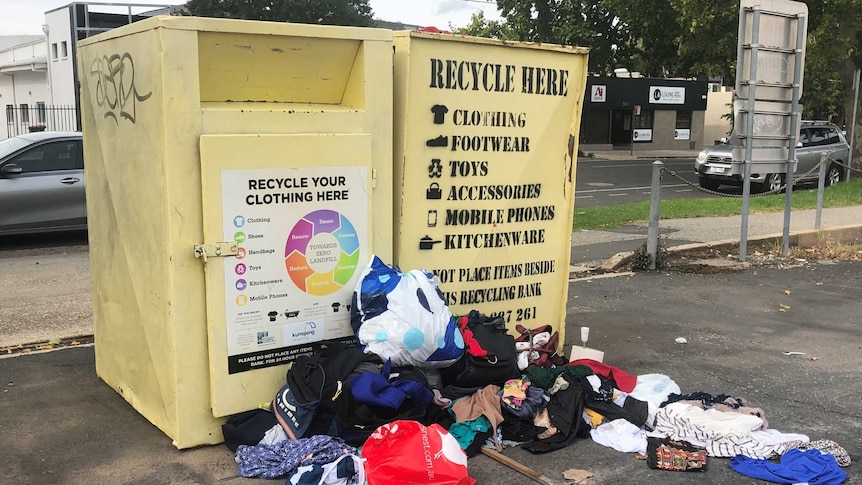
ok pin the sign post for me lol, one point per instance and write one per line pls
(770, 60)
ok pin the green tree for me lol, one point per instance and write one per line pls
(591, 24)
(835, 51)
(653, 29)
(329, 12)
(480, 26)
(706, 43)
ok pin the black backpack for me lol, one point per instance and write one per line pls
(490, 336)
(338, 413)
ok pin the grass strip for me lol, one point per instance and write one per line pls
(840, 195)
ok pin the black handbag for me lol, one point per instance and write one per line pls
(490, 356)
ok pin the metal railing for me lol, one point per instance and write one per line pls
(655, 195)
(28, 119)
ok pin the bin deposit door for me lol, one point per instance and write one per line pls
(296, 210)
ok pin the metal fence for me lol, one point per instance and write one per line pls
(27, 119)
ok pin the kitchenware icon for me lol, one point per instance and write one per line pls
(427, 243)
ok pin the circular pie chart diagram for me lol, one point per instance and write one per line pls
(322, 252)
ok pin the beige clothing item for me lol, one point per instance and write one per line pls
(483, 402)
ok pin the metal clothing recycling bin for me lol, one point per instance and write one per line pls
(485, 147)
(234, 169)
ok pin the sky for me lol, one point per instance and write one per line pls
(27, 16)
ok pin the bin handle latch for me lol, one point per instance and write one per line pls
(215, 250)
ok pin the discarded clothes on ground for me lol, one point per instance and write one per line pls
(422, 390)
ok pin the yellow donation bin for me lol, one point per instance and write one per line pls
(234, 169)
(485, 143)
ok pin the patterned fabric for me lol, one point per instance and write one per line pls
(347, 470)
(275, 461)
(515, 392)
(829, 447)
(675, 456)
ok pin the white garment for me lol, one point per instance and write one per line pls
(654, 389)
(621, 436)
(273, 435)
(775, 437)
(721, 422)
(721, 434)
(525, 357)
(620, 398)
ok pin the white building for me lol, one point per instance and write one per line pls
(39, 74)
(24, 93)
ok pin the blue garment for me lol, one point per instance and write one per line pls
(811, 466)
(274, 461)
(465, 432)
(376, 390)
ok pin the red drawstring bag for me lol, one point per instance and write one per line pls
(409, 453)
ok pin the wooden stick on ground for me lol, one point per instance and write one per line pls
(518, 467)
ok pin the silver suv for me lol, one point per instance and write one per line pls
(713, 165)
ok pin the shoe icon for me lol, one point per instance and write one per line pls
(440, 141)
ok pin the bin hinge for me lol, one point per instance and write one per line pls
(215, 250)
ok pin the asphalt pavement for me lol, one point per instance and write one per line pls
(61, 424)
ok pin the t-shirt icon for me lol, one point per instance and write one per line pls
(439, 113)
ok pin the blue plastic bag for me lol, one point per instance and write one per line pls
(403, 317)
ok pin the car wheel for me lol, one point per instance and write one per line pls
(833, 175)
(709, 184)
(773, 182)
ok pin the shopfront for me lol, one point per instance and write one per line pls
(643, 114)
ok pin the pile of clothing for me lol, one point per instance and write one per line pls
(470, 381)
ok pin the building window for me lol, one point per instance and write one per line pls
(54, 51)
(64, 46)
(643, 121)
(25, 113)
(683, 120)
(10, 113)
(40, 112)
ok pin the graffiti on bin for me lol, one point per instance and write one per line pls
(115, 86)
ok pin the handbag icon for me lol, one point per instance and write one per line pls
(433, 192)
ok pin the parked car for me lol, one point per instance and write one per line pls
(42, 183)
(713, 165)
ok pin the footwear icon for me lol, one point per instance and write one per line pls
(440, 141)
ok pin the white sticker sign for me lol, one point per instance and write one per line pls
(642, 135)
(598, 93)
(666, 95)
(302, 243)
(680, 134)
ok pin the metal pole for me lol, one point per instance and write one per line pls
(654, 209)
(821, 183)
(749, 132)
(632, 134)
(853, 122)
(801, 28)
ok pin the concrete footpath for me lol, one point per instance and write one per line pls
(590, 246)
